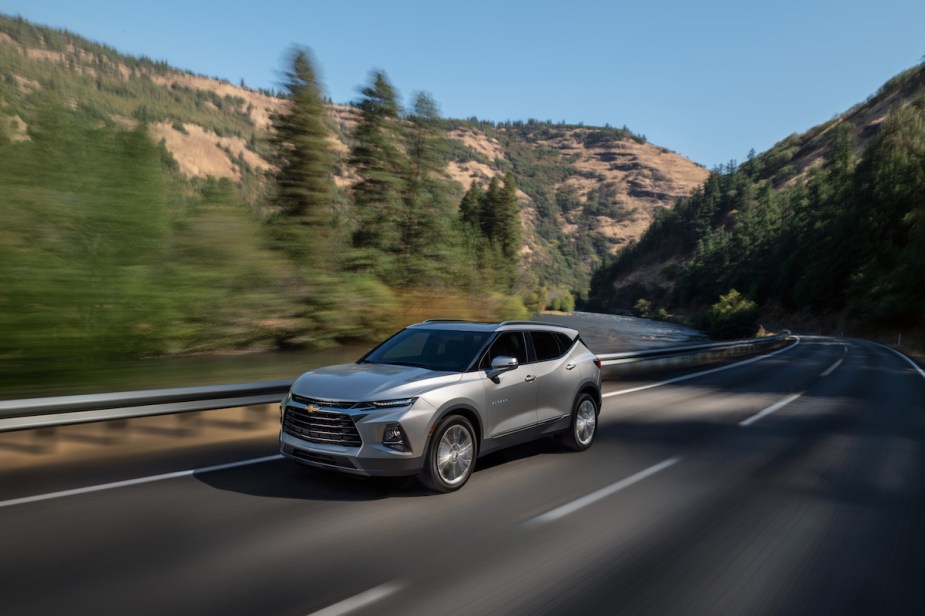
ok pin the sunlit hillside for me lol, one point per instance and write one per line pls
(585, 191)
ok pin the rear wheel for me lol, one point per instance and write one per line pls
(451, 455)
(583, 427)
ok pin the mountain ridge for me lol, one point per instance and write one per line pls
(826, 226)
(603, 189)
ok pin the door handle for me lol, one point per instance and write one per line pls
(569, 366)
(529, 378)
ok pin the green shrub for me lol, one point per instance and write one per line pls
(642, 308)
(509, 307)
(733, 316)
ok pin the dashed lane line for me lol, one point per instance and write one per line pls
(771, 409)
(358, 601)
(593, 497)
(833, 367)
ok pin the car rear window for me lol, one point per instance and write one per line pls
(565, 341)
(545, 345)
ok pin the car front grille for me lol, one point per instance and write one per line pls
(328, 404)
(324, 427)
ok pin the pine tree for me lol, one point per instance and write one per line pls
(305, 186)
(488, 210)
(382, 166)
(471, 205)
(303, 221)
(508, 222)
(430, 241)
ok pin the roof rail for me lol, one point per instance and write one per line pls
(547, 323)
(447, 321)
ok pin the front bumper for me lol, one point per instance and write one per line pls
(368, 461)
(350, 440)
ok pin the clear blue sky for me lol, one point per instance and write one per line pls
(709, 79)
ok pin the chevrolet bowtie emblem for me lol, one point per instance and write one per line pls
(311, 408)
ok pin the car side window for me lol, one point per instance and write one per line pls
(565, 342)
(508, 344)
(545, 346)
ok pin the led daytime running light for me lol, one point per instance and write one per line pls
(384, 404)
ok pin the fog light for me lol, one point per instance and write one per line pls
(394, 437)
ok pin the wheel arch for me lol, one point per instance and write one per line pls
(463, 411)
(594, 392)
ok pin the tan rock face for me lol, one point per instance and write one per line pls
(200, 152)
(642, 178)
(257, 105)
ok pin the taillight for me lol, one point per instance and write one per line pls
(597, 362)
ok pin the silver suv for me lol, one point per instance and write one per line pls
(437, 395)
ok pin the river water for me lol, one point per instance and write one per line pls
(603, 333)
(612, 333)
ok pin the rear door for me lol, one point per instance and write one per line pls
(557, 375)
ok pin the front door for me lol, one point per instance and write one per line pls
(510, 397)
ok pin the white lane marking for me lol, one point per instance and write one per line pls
(135, 482)
(771, 409)
(833, 367)
(593, 497)
(904, 358)
(697, 374)
(361, 600)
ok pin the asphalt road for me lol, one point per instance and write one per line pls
(789, 485)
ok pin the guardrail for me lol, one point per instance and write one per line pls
(68, 410)
(683, 353)
(37, 413)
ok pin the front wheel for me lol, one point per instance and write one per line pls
(583, 428)
(451, 455)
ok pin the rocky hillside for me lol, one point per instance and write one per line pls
(612, 183)
(826, 227)
(796, 156)
(585, 191)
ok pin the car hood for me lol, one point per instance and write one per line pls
(364, 382)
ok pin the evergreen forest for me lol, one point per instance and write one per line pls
(840, 245)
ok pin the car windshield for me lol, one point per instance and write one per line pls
(434, 349)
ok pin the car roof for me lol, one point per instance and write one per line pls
(476, 326)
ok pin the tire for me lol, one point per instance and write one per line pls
(583, 428)
(450, 456)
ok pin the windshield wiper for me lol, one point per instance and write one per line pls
(407, 363)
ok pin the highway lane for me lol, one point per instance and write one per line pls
(815, 507)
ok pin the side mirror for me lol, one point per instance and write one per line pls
(502, 363)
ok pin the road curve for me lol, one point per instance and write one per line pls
(789, 485)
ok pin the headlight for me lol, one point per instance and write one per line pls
(389, 404)
(394, 437)
(284, 403)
